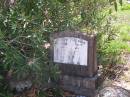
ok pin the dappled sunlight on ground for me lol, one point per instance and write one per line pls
(124, 79)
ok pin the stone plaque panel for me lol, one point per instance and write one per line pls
(70, 50)
(75, 53)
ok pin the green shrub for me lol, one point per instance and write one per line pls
(125, 7)
(125, 32)
(110, 45)
(111, 52)
(25, 29)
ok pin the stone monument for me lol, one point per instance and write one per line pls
(75, 54)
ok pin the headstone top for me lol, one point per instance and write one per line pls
(75, 34)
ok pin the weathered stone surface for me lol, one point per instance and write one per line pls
(20, 86)
(113, 91)
(70, 50)
(75, 53)
(79, 85)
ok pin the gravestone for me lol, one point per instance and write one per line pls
(75, 54)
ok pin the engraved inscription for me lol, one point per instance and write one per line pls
(71, 50)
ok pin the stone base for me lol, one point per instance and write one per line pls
(79, 85)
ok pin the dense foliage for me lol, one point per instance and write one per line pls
(25, 29)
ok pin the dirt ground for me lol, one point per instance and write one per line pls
(122, 78)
